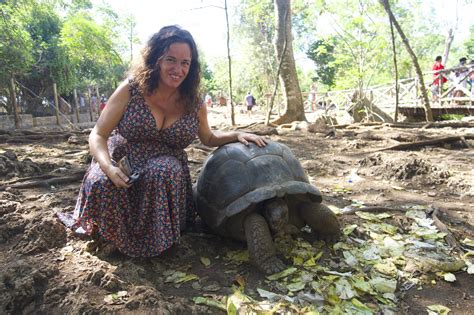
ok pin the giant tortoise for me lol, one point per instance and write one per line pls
(250, 193)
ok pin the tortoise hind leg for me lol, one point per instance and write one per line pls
(260, 244)
(321, 219)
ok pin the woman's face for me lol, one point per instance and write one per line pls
(174, 65)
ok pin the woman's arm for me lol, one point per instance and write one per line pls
(217, 138)
(107, 122)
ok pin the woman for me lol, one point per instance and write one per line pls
(149, 119)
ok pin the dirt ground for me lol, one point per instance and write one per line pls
(47, 269)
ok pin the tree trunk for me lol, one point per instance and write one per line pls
(424, 93)
(16, 115)
(56, 103)
(447, 47)
(76, 107)
(288, 77)
(392, 34)
(232, 115)
(272, 99)
(91, 114)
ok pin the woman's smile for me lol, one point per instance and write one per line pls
(175, 64)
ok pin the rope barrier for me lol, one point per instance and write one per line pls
(45, 100)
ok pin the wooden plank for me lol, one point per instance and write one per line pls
(417, 112)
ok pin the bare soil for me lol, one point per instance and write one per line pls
(47, 269)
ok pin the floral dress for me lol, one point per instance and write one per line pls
(145, 219)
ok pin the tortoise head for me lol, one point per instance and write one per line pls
(275, 212)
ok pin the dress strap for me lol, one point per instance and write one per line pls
(133, 87)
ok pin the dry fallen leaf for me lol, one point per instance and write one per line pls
(205, 261)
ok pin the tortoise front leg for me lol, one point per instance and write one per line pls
(260, 245)
(321, 219)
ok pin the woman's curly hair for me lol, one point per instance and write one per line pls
(147, 74)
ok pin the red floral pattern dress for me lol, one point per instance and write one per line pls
(145, 219)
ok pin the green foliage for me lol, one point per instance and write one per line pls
(79, 44)
(15, 42)
(254, 68)
(469, 44)
(220, 77)
(358, 31)
(322, 53)
(77, 5)
(56, 41)
(426, 35)
(451, 117)
(15, 48)
(208, 84)
(52, 65)
(89, 47)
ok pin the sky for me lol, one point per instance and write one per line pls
(201, 18)
(205, 19)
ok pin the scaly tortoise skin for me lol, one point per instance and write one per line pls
(250, 193)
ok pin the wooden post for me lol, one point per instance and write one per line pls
(90, 104)
(440, 86)
(56, 103)
(16, 115)
(76, 106)
(416, 92)
(97, 101)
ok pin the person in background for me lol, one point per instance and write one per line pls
(103, 102)
(222, 101)
(148, 122)
(461, 78)
(312, 97)
(82, 103)
(94, 105)
(435, 85)
(208, 100)
(249, 101)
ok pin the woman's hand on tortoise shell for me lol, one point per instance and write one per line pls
(245, 138)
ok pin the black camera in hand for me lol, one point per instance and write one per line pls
(125, 167)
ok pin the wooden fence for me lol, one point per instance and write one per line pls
(455, 93)
(85, 107)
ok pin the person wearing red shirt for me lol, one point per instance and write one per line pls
(435, 85)
(103, 102)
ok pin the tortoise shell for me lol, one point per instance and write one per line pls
(235, 177)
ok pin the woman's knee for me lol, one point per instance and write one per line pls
(98, 181)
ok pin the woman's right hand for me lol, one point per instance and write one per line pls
(108, 121)
(116, 175)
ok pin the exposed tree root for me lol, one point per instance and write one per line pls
(29, 178)
(424, 125)
(413, 145)
(32, 138)
(251, 125)
(450, 239)
(46, 183)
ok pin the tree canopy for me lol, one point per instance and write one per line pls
(62, 42)
(338, 44)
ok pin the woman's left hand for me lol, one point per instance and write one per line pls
(246, 137)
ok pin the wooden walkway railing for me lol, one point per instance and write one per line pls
(383, 96)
